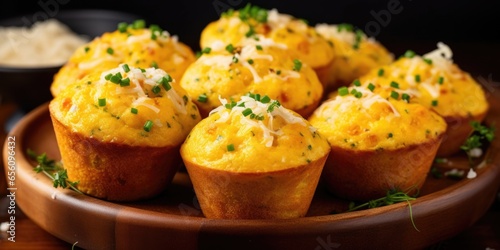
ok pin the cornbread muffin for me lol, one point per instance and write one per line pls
(133, 44)
(119, 131)
(263, 66)
(253, 21)
(355, 55)
(379, 142)
(435, 82)
(254, 159)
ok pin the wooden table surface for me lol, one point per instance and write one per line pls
(484, 234)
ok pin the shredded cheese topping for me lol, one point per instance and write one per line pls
(367, 99)
(261, 109)
(138, 80)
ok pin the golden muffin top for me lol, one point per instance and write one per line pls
(251, 21)
(133, 44)
(355, 54)
(434, 81)
(262, 66)
(256, 134)
(127, 105)
(360, 118)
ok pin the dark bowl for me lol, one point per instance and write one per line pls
(29, 87)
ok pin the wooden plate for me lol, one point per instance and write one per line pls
(174, 220)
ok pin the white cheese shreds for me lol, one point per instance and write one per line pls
(263, 41)
(332, 32)
(216, 60)
(471, 174)
(476, 152)
(260, 109)
(433, 89)
(142, 101)
(140, 80)
(441, 57)
(276, 19)
(256, 77)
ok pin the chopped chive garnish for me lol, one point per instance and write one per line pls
(357, 83)
(358, 94)
(125, 68)
(139, 24)
(434, 103)
(108, 76)
(297, 65)
(116, 78)
(258, 47)
(122, 27)
(101, 102)
(441, 80)
(273, 105)
(230, 105)
(390, 135)
(257, 97)
(265, 99)
(229, 48)
(409, 54)
(250, 61)
(110, 51)
(405, 97)
(230, 147)
(235, 59)
(428, 61)
(343, 91)
(344, 26)
(380, 72)
(156, 89)
(250, 32)
(359, 35)
(125, 82)
(278, 72)
(247, 112)
(417, 78)
(395, 85)
(148, 125)
(169, 78)
(395, 95)
(134, 111)
(371, 87)
(166, 86)
(86, 49)
(202, 98)
(206, 50)
(154, 64)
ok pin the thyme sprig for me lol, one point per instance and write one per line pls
(54, 170)
(392, 197)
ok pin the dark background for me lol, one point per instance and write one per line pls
(470, 28)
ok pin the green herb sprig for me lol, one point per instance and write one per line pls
(480, 134)
(392, 197)
(54, 170)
